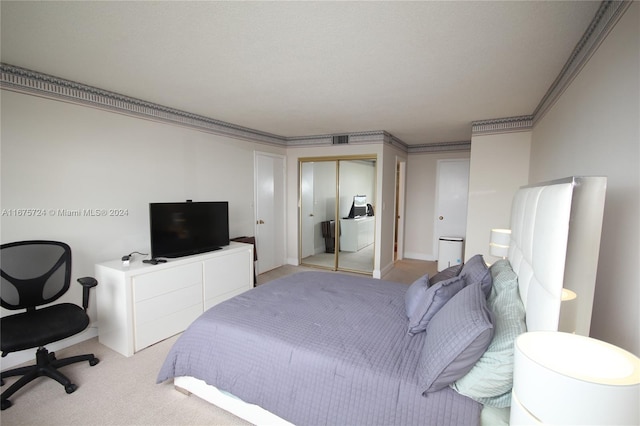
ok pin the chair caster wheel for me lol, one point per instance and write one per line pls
(5, 404)
(71, 388)
(93, 361)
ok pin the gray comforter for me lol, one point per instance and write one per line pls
(318, 348)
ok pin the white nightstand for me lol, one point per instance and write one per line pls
(568, 379)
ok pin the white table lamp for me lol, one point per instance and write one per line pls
(499, 244)
(569, 379)
(568, 311)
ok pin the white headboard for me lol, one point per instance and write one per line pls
(555, 243)
(539, 234)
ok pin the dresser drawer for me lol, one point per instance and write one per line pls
(146, 334)
(165, 303)
(154, 284)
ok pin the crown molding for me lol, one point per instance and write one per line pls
(440, 147)
(22, 80)
(604, 20)
(502, 125)
(27, 81)
(305, 141)
(370, 137)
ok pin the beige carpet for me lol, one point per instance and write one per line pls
(122, 391)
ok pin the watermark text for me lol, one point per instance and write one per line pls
(58, 212)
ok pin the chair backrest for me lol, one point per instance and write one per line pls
(33, 273)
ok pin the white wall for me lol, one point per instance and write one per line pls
(499, 166)
(593, 129)
(58, 156)
(385, 207)
(420, 203)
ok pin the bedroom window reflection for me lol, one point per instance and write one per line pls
(337, 219)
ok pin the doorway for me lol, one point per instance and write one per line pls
(269, 205)
(398, 235)
(337, 213)
(452, 194)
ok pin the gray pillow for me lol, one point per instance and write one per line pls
(445, 274)
(456, 338)
(415, 294)
(476, 271)
(491, 378)
(434, 298)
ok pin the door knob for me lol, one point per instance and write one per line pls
(260, 222)
(440, 217)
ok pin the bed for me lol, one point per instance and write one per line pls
(328, 348)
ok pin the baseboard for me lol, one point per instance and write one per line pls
(16, 358)
(383, 271)
(419, 256)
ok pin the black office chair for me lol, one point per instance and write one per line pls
(36, 273)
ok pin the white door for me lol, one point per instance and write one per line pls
(270, 212)
(452, 194)
(401, 166)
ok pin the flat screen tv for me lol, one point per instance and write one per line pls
(182, 229)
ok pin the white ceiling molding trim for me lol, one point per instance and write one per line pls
(502, 125)
(32, 82)
(440, 147)
(371, 137)
(318, 140)
(605, 19)
(26, 81)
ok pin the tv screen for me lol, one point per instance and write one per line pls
(181, 229)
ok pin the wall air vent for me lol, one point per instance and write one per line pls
(340, 140)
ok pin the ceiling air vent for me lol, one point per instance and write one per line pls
(341, 139)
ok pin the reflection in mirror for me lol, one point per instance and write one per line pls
(318, 213)
(347, 210)
(357, 220)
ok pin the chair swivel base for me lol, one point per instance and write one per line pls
(46, 365)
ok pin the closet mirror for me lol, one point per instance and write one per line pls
(337, 213)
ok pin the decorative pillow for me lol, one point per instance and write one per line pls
(498, 267)
(456, 338)
(433, 300)
(476, 271)
(415, 294)
(491, 379)
(445, 274)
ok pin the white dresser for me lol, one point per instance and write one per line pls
(355, 234)
(142, 304)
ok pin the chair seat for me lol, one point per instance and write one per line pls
(28, 330)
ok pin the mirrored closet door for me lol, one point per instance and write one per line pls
(337, 213)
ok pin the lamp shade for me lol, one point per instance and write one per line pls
(499, 244)
(568, 311)
(569, 379)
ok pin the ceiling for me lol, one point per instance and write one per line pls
(422, 70)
